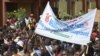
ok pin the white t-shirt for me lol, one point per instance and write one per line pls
(26, 21)
(49, 49)
(38, 52)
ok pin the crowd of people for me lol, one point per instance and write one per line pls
(17, 38)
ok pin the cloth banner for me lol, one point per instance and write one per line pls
(77, 30)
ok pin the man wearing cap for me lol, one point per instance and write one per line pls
(20, 47)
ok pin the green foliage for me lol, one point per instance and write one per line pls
(9, 14)
(67, 16)
(63, 14)
(19, 13)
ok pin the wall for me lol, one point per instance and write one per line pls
(92, 4)
(62, 8)
(2, 13)
(97, 19)
(78, 7)
(26, 6)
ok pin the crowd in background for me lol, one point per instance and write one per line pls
(17, 38)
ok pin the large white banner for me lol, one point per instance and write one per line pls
(77, 30)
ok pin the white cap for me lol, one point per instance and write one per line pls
(12, 26)
(5, 41)
(20, 43)
(17, 39)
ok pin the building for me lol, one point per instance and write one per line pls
(60, 7)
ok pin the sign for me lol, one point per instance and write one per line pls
(77, 30)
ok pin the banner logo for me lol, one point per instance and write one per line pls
(47, 17)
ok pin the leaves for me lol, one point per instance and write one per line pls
(19, 13)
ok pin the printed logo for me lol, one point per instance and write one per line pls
(47, 17)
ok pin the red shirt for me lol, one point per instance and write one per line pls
(94, 34)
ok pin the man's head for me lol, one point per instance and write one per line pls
(64, 53)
